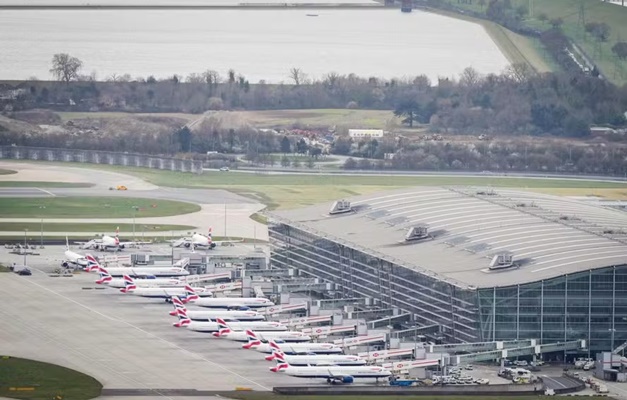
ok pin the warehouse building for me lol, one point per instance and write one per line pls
(493, 264)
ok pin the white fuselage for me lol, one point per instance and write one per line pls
(156, 282)
(206, 315)
(165, 292)
(286, 336)
(323, 359)
(75, 258)
(148, 271)
(230, 302)
(302, 348)
(200, 240)
(358, 371)
(262, 326)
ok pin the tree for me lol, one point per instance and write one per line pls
(310, 163)
(620, 49)
(301, 146)
(296, 163)
(286, 147)
(184, 136)
(556, 23)
(482, 3)
(285, 162)
(542, 17)
(600, 30)
(350, 163)
(297, 75)
(231, 76)
(409, 109)
(65, 67)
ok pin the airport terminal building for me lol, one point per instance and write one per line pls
(485, 265)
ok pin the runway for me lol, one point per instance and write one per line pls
(228, 214)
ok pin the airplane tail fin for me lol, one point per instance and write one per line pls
(183, 320)
(128, 286)
(253, 340)
(67, 244)
(279, 366)
(277, 354)
(104, 277)
(190, 294)
(92, 264)
(223, 328)
(179, 306)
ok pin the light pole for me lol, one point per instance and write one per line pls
(25, 231)
(41, 244)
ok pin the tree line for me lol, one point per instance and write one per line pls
(515, 102)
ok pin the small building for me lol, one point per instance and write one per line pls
(365, 133)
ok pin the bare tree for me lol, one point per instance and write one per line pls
(212, 77)
(65, 67)
(297, 75)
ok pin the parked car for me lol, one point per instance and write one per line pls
(24, 271)
(224, 169)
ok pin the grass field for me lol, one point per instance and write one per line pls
(91, 207)
(49, 228)
(37, 184)
(4, 268)
(569, 11)
(376, 119)
(517, 49)
(290, 191)
(7, 171)
(47, 380)
(67, 116)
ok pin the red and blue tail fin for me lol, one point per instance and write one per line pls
(179, 306)
(190, 294)
(183, 321)
(276, 353)
(128, 286)
(92, 264)
(104, 277)
(253, 340)
(223, 328)
(279, 366)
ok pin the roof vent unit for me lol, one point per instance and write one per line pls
(417, 233)
(341, 207)
(502, 261)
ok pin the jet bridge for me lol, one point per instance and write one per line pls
(517, 352)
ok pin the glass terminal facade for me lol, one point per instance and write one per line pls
(589, 305)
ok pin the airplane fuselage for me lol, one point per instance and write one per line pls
(119, 283)
(323, 359)
(333, 372)
(231, 302)
(286, 336)
(165, 292)
(147, 271)
(262, 326)
(202, 315)
(302, 348)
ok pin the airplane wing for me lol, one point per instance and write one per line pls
(180, 242)
(134, 243)
(226, 242)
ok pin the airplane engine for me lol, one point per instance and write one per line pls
(121, 246)
(187, 245)
(347, 379)
(213, 245)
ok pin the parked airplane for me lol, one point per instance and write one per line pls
(234, 302)
(109, 243)
(317, 359)
(201, 241)
(119, 283)
(298, 348)
(255, 339)
(146, 272)
(72, 258)
(333, 374)
(165, 292)
(206, 315)
(215, 326)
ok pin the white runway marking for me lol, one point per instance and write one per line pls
(47, 192)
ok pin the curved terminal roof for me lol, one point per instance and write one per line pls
(546, 235)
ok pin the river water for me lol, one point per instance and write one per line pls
(260, 44)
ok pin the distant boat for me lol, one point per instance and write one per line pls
(312, 15)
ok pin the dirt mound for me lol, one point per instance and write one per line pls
(13, 125)
(37, 117)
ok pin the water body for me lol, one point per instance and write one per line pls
(260, 44)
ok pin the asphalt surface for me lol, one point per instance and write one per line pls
(125, 342)
(228, 214)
